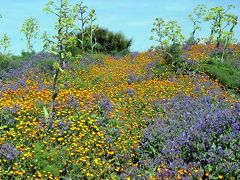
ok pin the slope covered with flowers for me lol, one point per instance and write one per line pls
(103, 113)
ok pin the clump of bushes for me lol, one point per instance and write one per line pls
(10, 63)
(227, 72)
(107, 42)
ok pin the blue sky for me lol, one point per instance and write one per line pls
(132, 17)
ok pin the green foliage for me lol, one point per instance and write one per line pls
(120, 53)
(158, 28)
(25, 55)
(61, 42)
(46, 42)
(162, 70)
(30, 30)
(169, 35)
(9, 62)
(46, 65)
(4, 61)
(87, 35)
(173, 33)
(221, 21)
(4, 44)
(173, 55)
(191, 41)
(83, 18)
(166, 33)
(92, 29)
(48, 158)
(6, 117)
(227, 73)
(108, 42)
(196, 17)
(64, 28)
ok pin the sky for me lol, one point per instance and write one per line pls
(134, 18)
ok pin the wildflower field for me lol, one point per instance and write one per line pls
(86, 106)
(114, 120)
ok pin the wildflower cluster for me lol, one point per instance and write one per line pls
(96, 129)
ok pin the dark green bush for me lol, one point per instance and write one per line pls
(191, 41)
(172, 62)
(108, 42)
(173, 56)
(227, 73)
(4, 62)
(9, 62)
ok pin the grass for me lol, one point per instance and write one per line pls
(226, 73)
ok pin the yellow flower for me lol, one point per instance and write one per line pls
(220, 177)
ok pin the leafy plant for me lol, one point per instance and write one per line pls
(30, 30)
(82, 9)
(221, 20)
(5, 44)
(46, 65)
(108, 42)
(196, 17)
(4, 62)
(48, 158)
(59, 45)
(7, 116)
(158, 28)
(226, 73)
(92, 29)
(169, 35)
(173, 33)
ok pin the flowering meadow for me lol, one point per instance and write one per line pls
(115, 120)
(86, 107)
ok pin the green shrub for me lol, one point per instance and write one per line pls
(4, 62)
(227, 73)
(8, 62)
(107, 42)
(191, 41)
(162, 70)
(25, 55)
(48, 158)
(173, 56)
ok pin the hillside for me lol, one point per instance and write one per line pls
(107, 115)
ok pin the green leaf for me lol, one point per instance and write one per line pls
(54, 52)
(45, 111)
(93, 116)
(62, 55)
(57, 67)
(214, 147)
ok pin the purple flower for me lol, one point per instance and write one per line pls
(72, 102)
(130, 91)
(9, 152)
(23, 82)
(188, 132)
(103, 105)
(133, 78)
